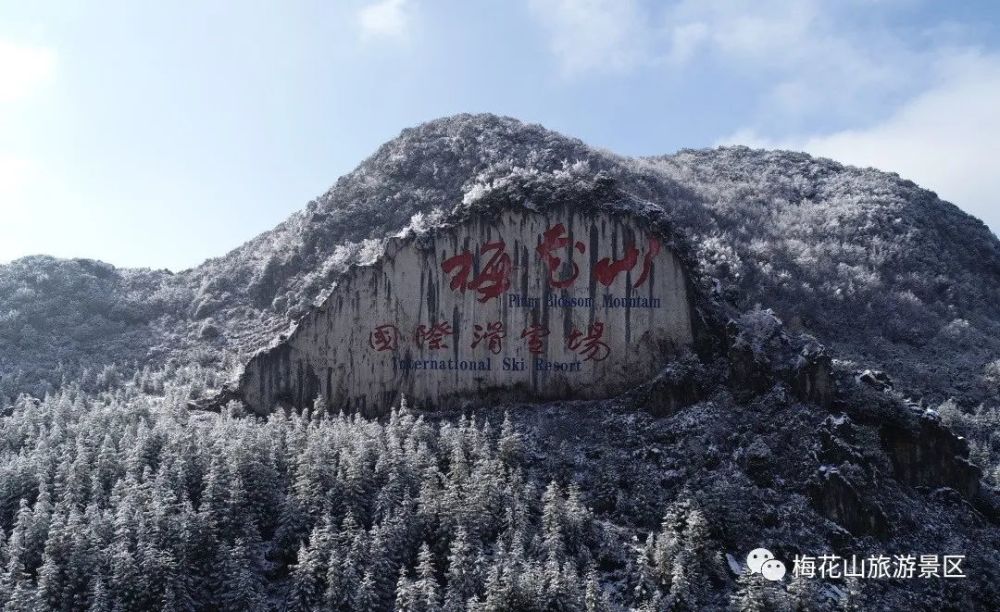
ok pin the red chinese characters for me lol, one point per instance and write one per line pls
(555, 249)
(492, 281)
(432, 337)
(590, 345)
(493, 334)
(490, 336)
(462, 261)
(647, 262)
(554, 239)
(534, 334)
(384, 338)
(607, 269)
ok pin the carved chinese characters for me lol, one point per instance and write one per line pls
(518, 306)
(491, 282)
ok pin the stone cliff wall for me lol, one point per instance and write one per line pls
(517, 305)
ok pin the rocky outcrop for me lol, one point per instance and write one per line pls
(680, 384)
(761, 353)
(926, 453)
(812, 376)
(836, 498)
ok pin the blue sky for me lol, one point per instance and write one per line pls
(160, 134)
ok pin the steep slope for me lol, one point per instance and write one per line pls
(870, 263)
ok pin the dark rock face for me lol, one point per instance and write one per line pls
(838, 500)
(749, 375)
(758, 463)
(680, 384)
(925, 453)
(762, 352)
(813, 377)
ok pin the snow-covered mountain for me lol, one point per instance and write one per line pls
(857, 329)
(887, 273)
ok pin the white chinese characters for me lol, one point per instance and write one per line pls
(905, 566)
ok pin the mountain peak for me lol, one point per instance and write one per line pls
(848, 254)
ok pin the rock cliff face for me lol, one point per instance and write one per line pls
(924, 453)
(512, 304)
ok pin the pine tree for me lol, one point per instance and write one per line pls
(346, 565)
(107, 470)
(357, 483)
(594, 598)
(511, 443)
(216, 495)
(577, 520)
(426, 585)
(645, 574)
(689, 580)
(34, 525)
(25, 597)
(668, 544)
(552, 522)
(749, 595)
(554, 587)
(243, 588)
(335, 597)
(854, 598)
(170, 601)
(204, 556)
(461, 576)
(3, 562)
(499, 591)
(291, 529)
(52, 586)
(16, 553)
(366, 599)
(802, 593)
(126, 581)
(458, 464)
(305, 588)
(82, 560)
(157, 568)
(100, 599)
(406, 596)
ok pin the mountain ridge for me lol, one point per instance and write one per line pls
(759, 219)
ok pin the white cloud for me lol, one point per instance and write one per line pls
(807, 59)
(23, 69)
(386, 19)
(946, 138)
(603, 36)
(755, 30)
(685, 41)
